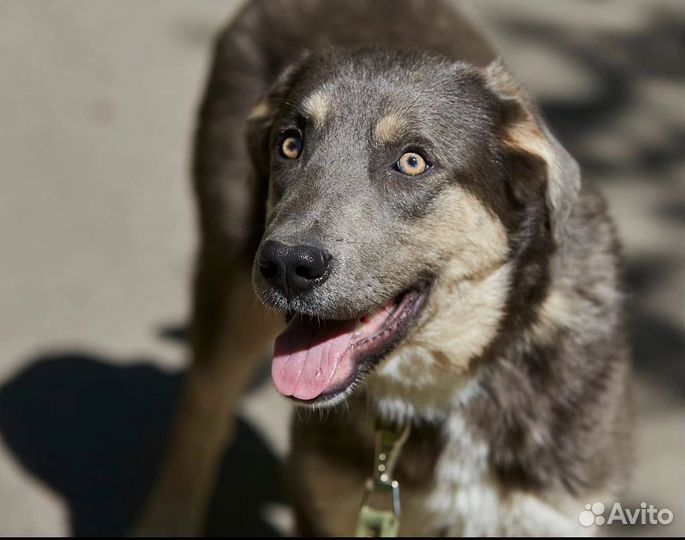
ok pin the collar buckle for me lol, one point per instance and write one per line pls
(380, 511)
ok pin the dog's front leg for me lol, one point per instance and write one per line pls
(230, 333)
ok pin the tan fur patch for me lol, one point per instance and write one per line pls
(565, 308)
(462, 317)
(525, 134)
(316, 107)
(464, 234)
(528, 137)
(259, 111)
(530, 134)
(389, 128)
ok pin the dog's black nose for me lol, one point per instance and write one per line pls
(293, 269)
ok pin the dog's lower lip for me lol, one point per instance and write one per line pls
(370, 350)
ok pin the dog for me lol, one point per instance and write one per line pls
(373, 174)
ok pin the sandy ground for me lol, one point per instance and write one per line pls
(97, 237)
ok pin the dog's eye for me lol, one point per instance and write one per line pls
(411, 164)
(291, 146)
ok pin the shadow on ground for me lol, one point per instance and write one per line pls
(95, 433)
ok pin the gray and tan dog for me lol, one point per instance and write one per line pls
(398, 198)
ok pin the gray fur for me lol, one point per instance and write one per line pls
(523, 261)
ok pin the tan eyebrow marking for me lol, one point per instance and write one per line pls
(316, 107)
(389, 128)
(259, 111)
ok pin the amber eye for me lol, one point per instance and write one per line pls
(291, 147)
(411, 164)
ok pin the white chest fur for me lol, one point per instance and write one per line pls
(467, 500)
(462, 499)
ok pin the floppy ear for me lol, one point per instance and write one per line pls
(524, 130)
(260, 119)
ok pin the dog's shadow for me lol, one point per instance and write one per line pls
(95, 433)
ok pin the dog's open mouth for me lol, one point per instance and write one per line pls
(317, 359)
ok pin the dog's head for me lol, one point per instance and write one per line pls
(403, 190)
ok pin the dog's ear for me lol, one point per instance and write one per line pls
(522, 130)
(260, 119)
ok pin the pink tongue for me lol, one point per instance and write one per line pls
(309, 357)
